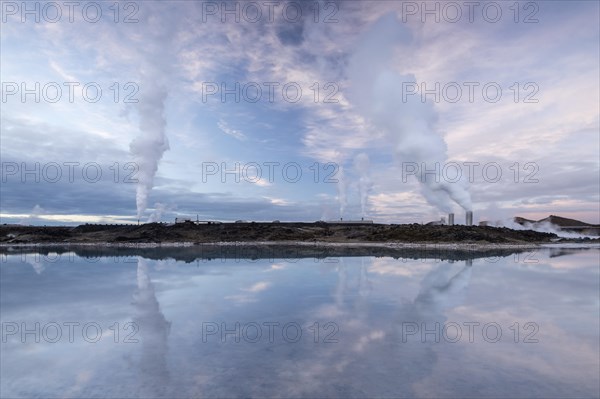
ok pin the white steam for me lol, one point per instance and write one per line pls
(547, 227)
(149, 147)
(362, 166)
(407, 123)
(341, 189)
(34, 216)
(542, 227)
(157, 53)
(159, 210)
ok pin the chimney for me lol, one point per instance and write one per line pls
(469, 221)
(450, 219)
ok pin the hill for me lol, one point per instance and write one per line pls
(269, 232)
(562, 223)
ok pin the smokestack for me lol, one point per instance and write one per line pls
(450, 219)
(469, 218)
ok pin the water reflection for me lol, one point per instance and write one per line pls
(441, 291)
(371, 326)
(236, 252)
(153, 331)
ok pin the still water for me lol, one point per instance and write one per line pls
(175, 323)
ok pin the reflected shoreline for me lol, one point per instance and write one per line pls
(255, 251)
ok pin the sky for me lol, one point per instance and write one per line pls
(397, 112)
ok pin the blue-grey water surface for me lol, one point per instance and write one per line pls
(520, 325)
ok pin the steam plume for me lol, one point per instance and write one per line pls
(34, 216)
(341, 187)
(149, 147)
(362, 166)
(159, 210)
(407, 123)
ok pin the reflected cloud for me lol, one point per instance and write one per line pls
(258, 287)
(249, 293)
(390, 266)
(276, 266)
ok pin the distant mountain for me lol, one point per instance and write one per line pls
(565, 224)
(555, 220)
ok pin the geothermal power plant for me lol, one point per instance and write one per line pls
(442, 221)
(468, 219)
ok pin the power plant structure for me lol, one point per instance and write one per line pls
(342, 221)
(469, 218)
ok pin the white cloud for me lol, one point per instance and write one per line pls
(237, 134)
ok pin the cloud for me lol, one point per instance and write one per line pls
(232, 132)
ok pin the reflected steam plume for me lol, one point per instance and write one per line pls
(153, 331)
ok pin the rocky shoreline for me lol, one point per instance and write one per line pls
(318, 233)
